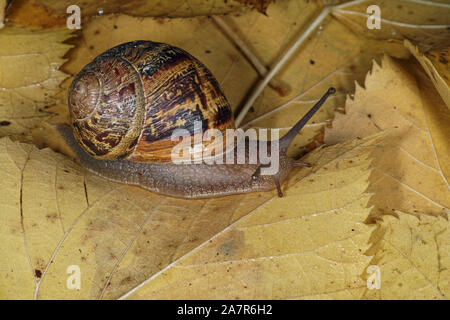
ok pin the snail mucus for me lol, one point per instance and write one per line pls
(125, 105)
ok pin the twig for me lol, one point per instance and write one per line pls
(282, 88)
(254, 95)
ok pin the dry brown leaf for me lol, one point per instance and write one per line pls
(412, 170)
(29, 77)
(151, 8)
(56, 215)
(435, 64)
(426, 23)
(413, 256)
(29, 14)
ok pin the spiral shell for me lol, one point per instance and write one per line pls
(127, 102)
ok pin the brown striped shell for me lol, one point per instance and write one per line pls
(127, 102)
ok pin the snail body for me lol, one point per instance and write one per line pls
(181, 180)
(126, 104)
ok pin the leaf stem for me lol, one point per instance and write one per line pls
(282, 88)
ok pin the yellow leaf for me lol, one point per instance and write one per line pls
(413, 256)
(56, 216)
(424, 22)
(308, 244)
(435, 64)
(412, 169)
(29, 77)
(152, 8)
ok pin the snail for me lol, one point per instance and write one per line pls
(125, 105)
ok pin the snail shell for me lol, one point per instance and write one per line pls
(127, 102)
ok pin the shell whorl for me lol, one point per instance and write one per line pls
(106, 103)
(128, 101)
